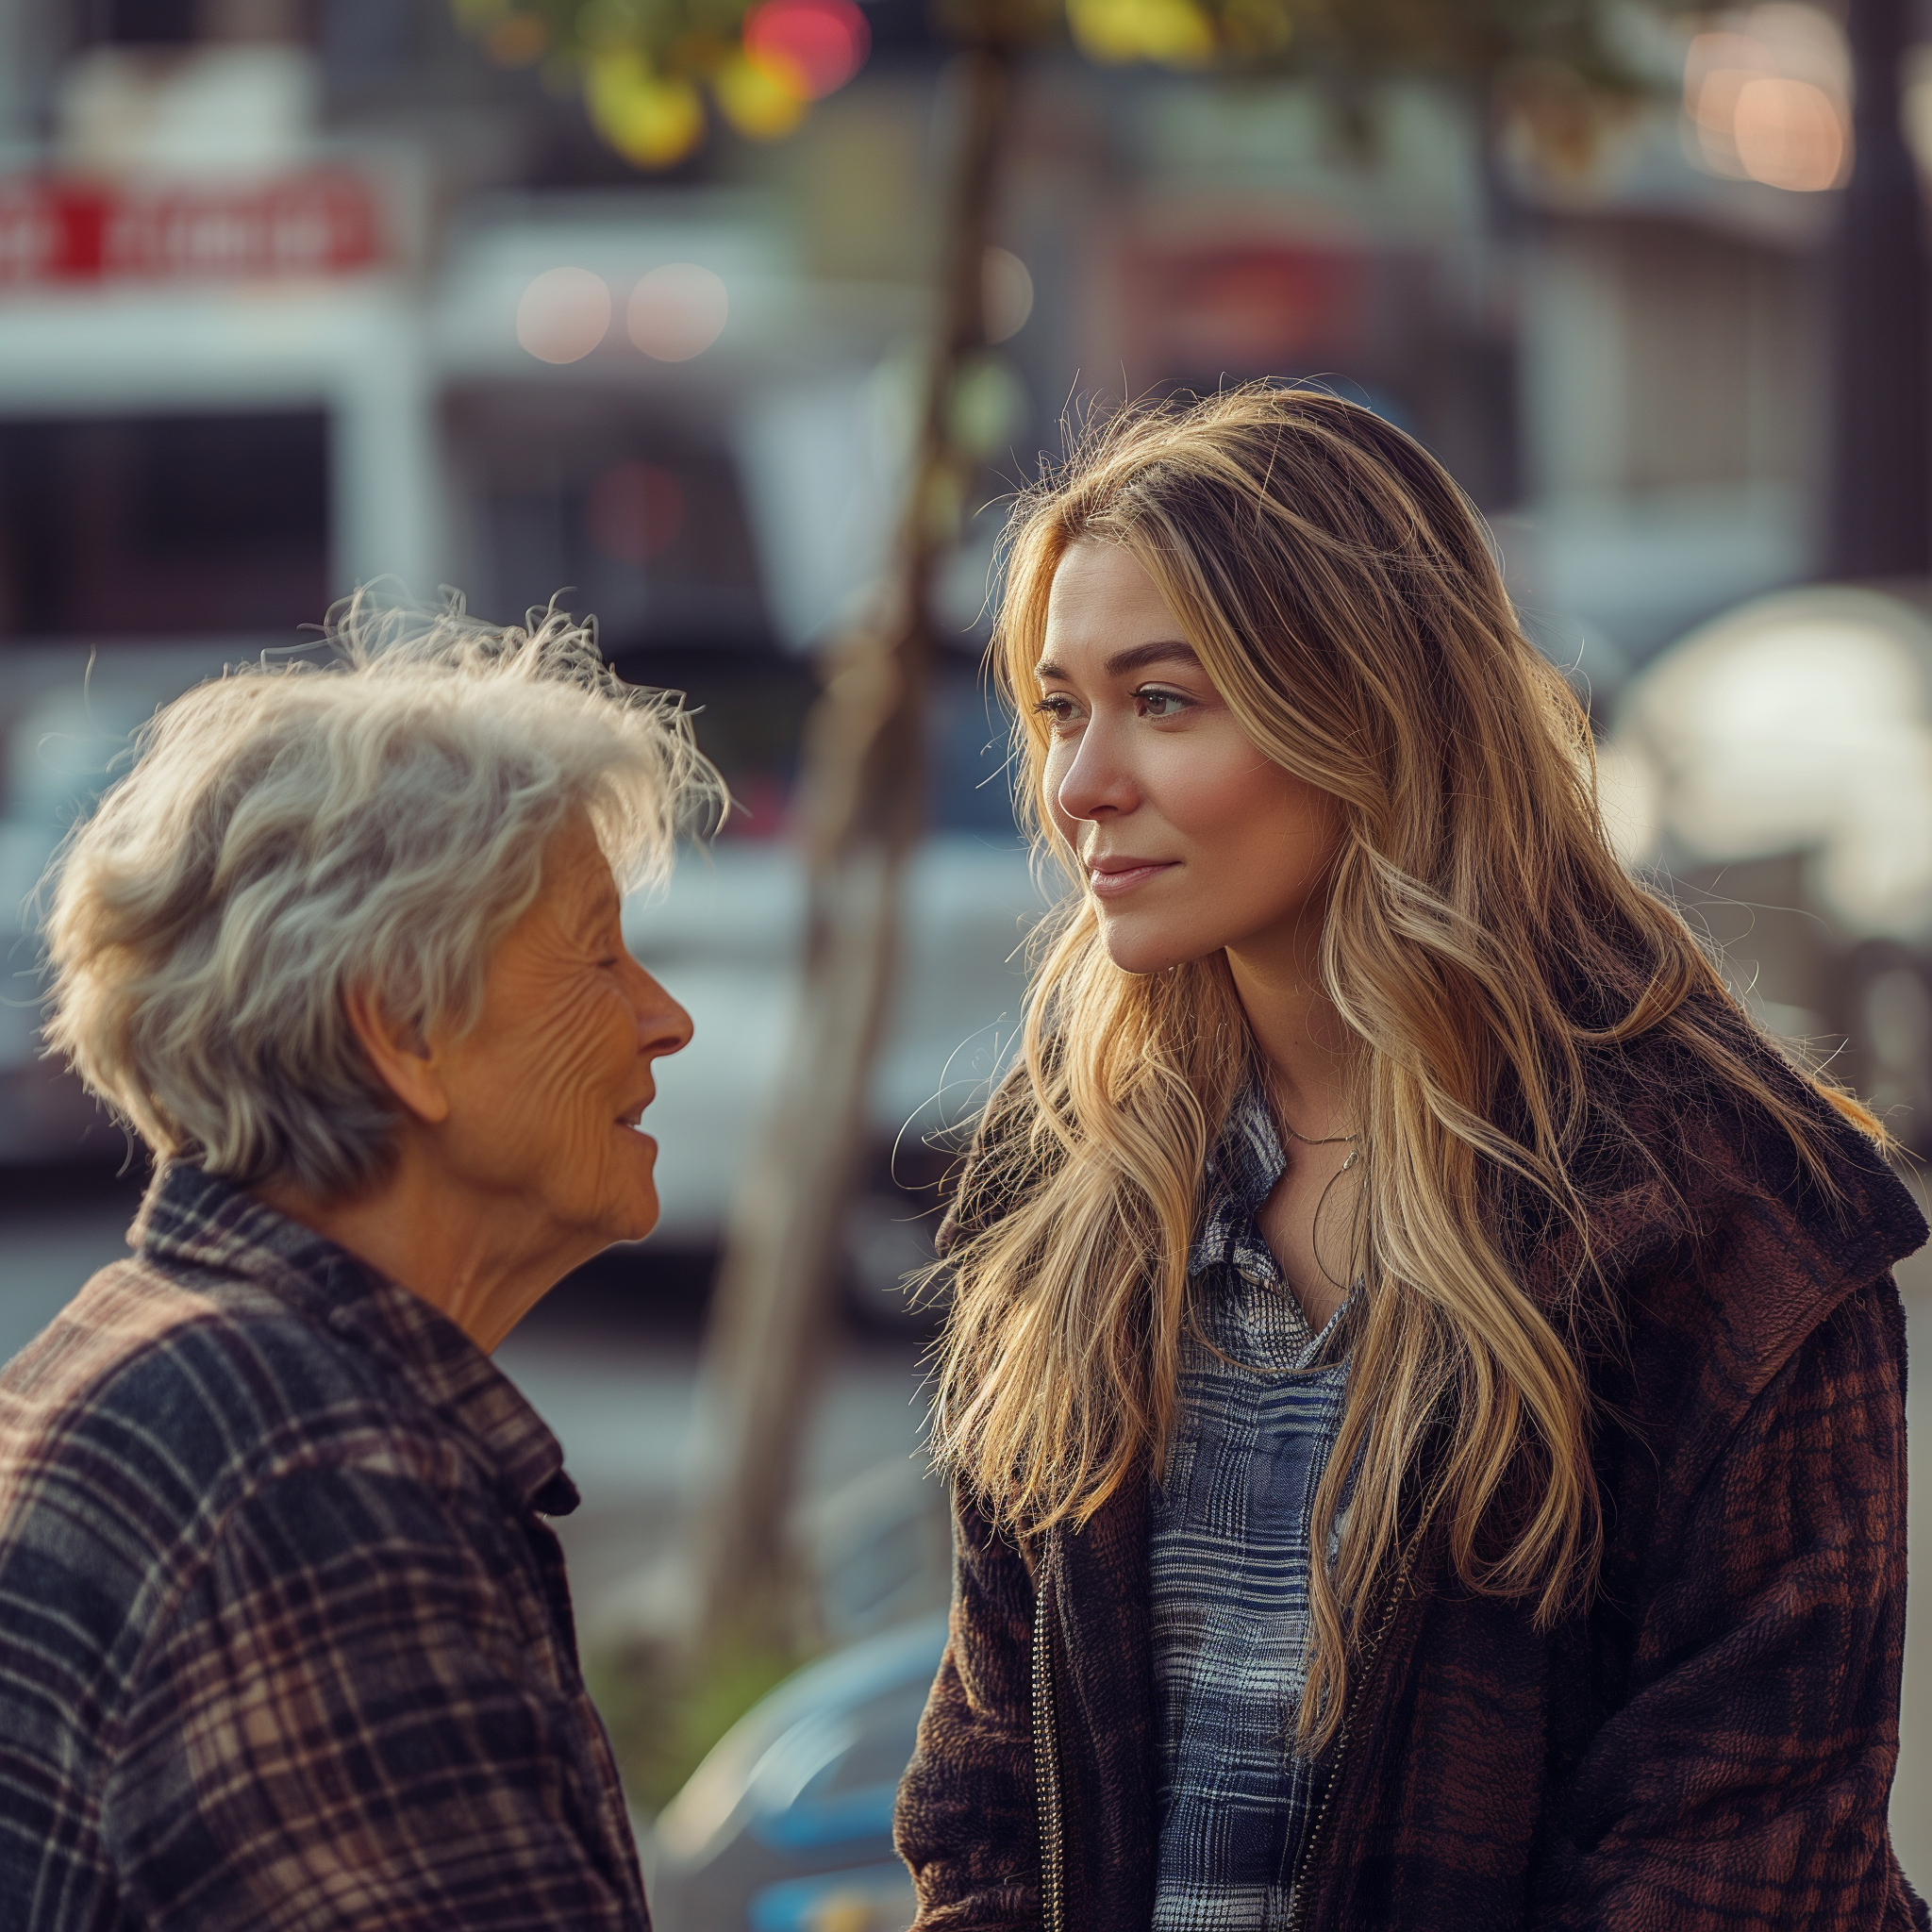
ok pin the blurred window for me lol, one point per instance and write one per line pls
(1671, 357)
(141, 22)
(1713, 355)
(970, 788)
(1200, 292)
(163, 526)
(1197, 310)
(751, 708)
(183, 23)
(621, 507)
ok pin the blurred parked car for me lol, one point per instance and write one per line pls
(787, 1827)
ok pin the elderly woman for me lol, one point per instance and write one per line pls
(284, 1637)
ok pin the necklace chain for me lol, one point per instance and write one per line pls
(1329, 1141)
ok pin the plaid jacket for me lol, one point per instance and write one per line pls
(283, 1638)
(1710, 1744)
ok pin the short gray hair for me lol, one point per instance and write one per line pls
(292, 830)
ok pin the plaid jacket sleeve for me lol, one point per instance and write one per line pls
(1744, 1781)
(340, 1724)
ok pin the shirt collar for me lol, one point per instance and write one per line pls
(1242, 1171)
(210, 1223)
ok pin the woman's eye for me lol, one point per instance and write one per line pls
(1163, 703)
(1056, 709)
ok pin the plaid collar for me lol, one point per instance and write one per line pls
(1242, 1171)
(205, 1222)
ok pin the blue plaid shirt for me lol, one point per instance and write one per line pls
(1228, 1553)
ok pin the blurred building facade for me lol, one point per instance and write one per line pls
(294, 293)
(298, 294)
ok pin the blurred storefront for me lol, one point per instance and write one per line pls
(471, 345)
(296, 297)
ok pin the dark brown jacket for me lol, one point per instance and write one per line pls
(1709, 1744)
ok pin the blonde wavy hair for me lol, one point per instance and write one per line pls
(292, 830)
(1483, 945)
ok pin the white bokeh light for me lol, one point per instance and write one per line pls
(677, 312)
(1802, 721)
(1007, 291)
(1626, 795)
(563, 314)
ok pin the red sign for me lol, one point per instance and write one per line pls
(57, 231)
(1243, 308)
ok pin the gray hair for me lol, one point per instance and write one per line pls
(293, 830)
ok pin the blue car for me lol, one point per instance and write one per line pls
(787, 1827)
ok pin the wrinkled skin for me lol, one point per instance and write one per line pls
(517, 1150)
(545, 1093)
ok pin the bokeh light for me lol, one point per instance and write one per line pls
(763, 99)
(1007, 293)
(818, 44)
(1767, 95)
(564, 313)
(517, 39)
(635, 511)
(1801, 722)
(677, 312)
(1174, 33)
(651, 119)
(989, 404)
(1788, 133)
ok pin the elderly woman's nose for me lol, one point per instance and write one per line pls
(664, 1025)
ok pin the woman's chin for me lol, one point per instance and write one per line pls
(631, 1207)
(640, 1211)
(1143, 951)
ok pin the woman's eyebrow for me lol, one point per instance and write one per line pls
(1136, 658)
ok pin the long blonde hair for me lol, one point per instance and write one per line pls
(1482, 943)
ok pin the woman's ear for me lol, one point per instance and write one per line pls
(403, 1064)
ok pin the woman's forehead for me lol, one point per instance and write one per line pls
(577, 873)
(1103, 604)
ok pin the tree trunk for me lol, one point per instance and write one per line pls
(1880, 519)
(862, 797)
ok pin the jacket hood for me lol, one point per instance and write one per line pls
(1709, 1188)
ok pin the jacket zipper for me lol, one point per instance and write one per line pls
(1298, 1896)
(1046, 1772)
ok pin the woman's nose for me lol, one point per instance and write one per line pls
(664, 1025)
(1096, 781)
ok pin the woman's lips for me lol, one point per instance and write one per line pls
(1118, 876)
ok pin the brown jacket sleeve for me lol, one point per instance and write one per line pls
(967, 1822)
(967, 1819)
(1744, 1781)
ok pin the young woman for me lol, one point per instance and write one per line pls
(1424, 1382)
